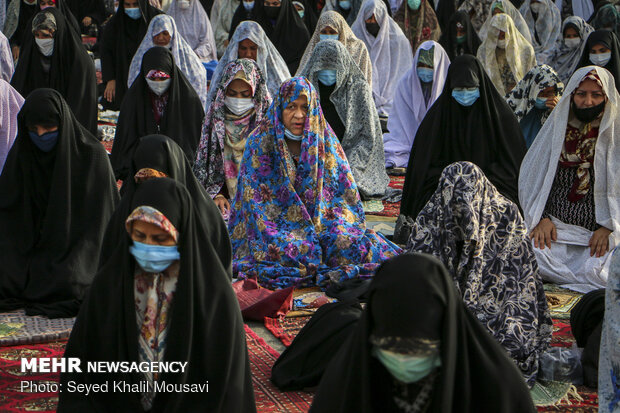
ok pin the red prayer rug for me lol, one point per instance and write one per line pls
(391, 209)
(285, 328)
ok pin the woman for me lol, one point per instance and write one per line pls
(53, 220)
(477, 10)
(505, 6)
(163, 32)
(533, 99)
(417, 20)
(482, 240)
(565, 59)
(88, 13)
(61, 5)
(505, 54)
(459, 37)
(348, 9)
(390, 51)
(469, 121)
(437, 359)
(221, 17)
(297, 219)
(167, 299)
(568, 181)
(10, 104)
(543, 19)
(194, 26)
(350, 112)
(6, 59)
(603, 49)
(607, 17)
(17, 23)
(53, 56)
(251, 42)
(240, 103)
(121, 38)
(332, 25)
(161, 100)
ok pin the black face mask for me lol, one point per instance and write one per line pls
(373, 28)
(587, 115)
(272, 12)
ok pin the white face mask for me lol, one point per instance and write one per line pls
(600, 59)
(159, 87)
(501, 43)
(535, 7)
(46, 46)
(183, 4)
(238, 106)
(572, 43)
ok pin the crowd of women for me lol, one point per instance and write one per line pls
(249, 135)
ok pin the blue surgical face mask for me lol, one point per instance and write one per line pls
(344, 4)
(414, 4)
(466, 97)
(600, 59)
(329, 37)
(133, 12)
(154, 258)
(327, 77)
(248, 5)
(45, 142)
(461, 39)
(301, 13)
(292, 137)
(425, 74)
(541, 103)
(404, 368)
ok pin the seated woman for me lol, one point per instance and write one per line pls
(251, 42)
(569, 49)
(332, 25)
(460, 37)
(143, 309)
(52, 217)
(241, 101)
(10, 104)
(418, 21)
(603, 49)
(163, 32)
(437, 359)
(482, 240)
(297, 218)
(544, 20)
(53, 56)
(348, 9)
(194, 27)
(416, 92)
(390, 51)
(568, 183)
(350, 112)
(533, 99)
(469, 121)
(609, 361)
(505, 6)
(506, 55)
(161, 100)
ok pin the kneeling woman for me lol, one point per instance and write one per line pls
(297, 218)
(162, 296)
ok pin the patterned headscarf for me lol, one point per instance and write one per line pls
(482, 240)
(522, 98)
(211, 167)
(566, 59)
(545, 30)
(44, 21)
(301, 224)
(505, 6)
(418, 25)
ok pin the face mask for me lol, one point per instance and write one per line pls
(373, 28)
(425, 74)
(413, 4)
(154, 258)
(183, 4)
(30, 3)
(46, 46)
(587, 115)
(301, 13)
(327, 77)
(572, 43)
(248, 5)
(159, 87)
(344, 4)
(292, 137)
(238, 106)
(46, 7)
(45, 142)
(501, 43)
(329, 36)
(272, 12)
(465, 97)
(461, 39)
(541, 103)
(133, 13)
(600, 59)
(406, 369)
(535, 7)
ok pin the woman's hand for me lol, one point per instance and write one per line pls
(222, 203)
(15, 51)
(544, 233)
(110, 91)
(599, 242)
(552, 102)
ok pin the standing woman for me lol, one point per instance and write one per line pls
(88, 13)
(121, 38)
(195, 27)
(161, 100)
(568, 51)
(53, 56)
(603, 49)
(459, 37)
(66, 12)
(543, 19)
(10, 104)
(58, 193)
(6, 59)
(348, 9)
(505, 6)
(17, 23)
(162, 295)
(417, 20)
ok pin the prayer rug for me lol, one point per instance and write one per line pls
(16, 328)
(268, 397)
(561, 301)
(285, 328)
(307, 300)
(391, 209)
(573, 399)
(562, 334)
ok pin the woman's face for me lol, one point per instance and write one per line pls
(151, 234)
(44, 34)
(501, 35)
(570, 33)
(294, 115)
(162, 39)
(247, 49)
(328, 30)
(599, 48)
(47, 3)
(130, 4)
(239, 89)
(42, 129)
(588, 94)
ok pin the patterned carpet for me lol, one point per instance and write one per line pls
(390, 209)
(16, 328)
